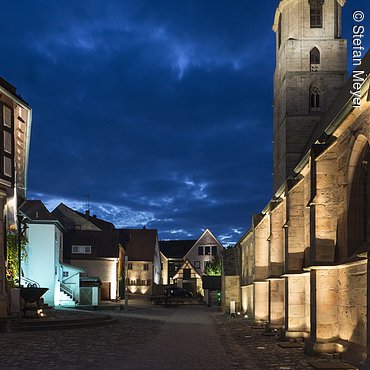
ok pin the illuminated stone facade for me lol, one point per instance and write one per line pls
(15, 130)
(304, 261)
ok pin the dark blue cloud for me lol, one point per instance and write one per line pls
(161, 111)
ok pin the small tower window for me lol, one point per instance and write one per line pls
(314, 98)
(316, 13)
(279, 31)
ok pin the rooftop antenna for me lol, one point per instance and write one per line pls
(87, 205)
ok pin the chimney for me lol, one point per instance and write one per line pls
(87, 213)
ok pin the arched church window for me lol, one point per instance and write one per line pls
(315, 59)
(314, 98)
(315, 56)
(316, 13)
(279, 31)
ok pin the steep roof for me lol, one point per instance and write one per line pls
(71, 218)
(35, 210)
(104, 244)
(98, 222)
(175, 248)
(11, 89)
(140, 244)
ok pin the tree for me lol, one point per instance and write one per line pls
(214, 268)
(12, 268)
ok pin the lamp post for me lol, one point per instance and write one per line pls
(126, 283)
(22, 227)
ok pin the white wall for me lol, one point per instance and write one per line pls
(105, 269)
(43, 257)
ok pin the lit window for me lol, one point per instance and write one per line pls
(81, 249)
(197, 264)
(316, 13)
(200, 251)
(314, 98)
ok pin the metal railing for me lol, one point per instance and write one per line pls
(29, 283)
(67, 290)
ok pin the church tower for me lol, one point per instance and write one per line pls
(310, 70)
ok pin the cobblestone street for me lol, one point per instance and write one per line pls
(152, 337)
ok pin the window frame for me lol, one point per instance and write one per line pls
(4, 154)
(316, 13)
(81, 249)
(315, 101)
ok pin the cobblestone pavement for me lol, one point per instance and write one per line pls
(104, 347)
(152, 337)
(245, 343)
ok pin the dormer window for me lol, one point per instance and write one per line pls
(316, 13)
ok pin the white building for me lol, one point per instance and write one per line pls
(44, 263)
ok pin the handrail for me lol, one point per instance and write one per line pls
(67, 290)
(29, 282)
(69, 277)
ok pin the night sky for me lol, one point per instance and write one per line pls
(160, 111)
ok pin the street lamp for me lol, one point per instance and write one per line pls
(22, 228)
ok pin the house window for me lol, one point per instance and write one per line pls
(316, 13)
(207, 251)
(137, 282)
(129, 266)
(187, 274)
(314, 59)
(206, 263)
(146, 267)
(81, 249)
(143, 282)
(214, 250)
(7, 151)
(65, 274)
(200, 251)
(197, 264)
(314, 98)
(132, 282)
(148, 282)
